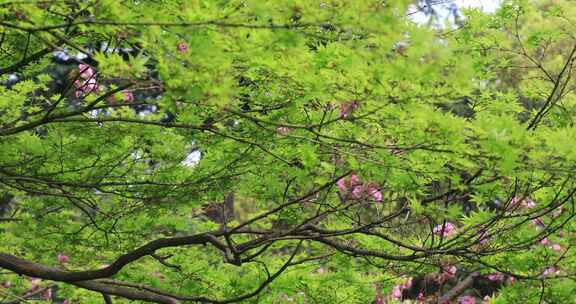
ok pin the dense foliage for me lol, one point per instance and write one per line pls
(286, 151)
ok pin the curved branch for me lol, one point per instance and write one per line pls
(28, 268)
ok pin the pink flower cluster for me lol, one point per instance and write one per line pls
(347, 108)
(553, 246)
(87, 84)
(421, 298)
(495, 277)
(128, 96)
(353, 187)
(550, 271)
(62, 258)
(444, 230)
(556, 247)
(397, 290)
(182, 47)
(557, 212)
(35, 286)
(447, 274)
(283, 131)
(499, 278)
(522, 203)
(450, 272)
(539, 223)
(86, 71)
(467, 300)
(35, 282)
(47, 294)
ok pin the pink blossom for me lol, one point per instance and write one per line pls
(452, 270)
(66, 301)
(397, 292)
(421, 297)
(128, 96)
(35, 283)
(182, 47)
(397, 289)
(342, 185)
(444, 230)
(408, 284)
(523, 203)
(86, 71)
(557, 247)
(515, 201)
(447, 274)
(354, 180)
(87, 86)
(47, 294)
(550, 271)
(357, 192)
(557, 212)
(511, 280)
(528, 204)
(545, 242)
(360, 191)
(347, 108)
(345, 184)
(284, 131)
(374, 192)
(62, 258)
(495, 277)
(344, 111)
(6, 284)
(377, 195)
(538, 222)
(467, 300)
(90, 85)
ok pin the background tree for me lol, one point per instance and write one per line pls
(285, 151)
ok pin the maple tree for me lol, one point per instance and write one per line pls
(285, 151)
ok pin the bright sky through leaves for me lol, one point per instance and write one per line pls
(444, 9)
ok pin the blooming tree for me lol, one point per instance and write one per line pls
(343, 153)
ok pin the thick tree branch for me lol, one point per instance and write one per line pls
(459, 288)
(32, 269)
